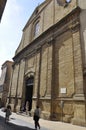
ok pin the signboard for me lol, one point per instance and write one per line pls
(63, 90)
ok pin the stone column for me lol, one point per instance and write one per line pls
(49, 71)
(79, 98)
(52, 41)
(20, 83)
(78, 68)
(16, 98)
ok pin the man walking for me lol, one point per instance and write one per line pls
(36, 118)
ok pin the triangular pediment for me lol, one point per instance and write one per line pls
(37, 10)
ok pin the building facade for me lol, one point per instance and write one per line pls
(50, 63)
(5, 81)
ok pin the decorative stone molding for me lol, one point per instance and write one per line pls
(29, 73)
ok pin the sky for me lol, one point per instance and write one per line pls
(14, 18)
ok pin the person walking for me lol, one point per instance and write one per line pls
(36, 117)
(8, 113)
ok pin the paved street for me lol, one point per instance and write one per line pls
(9, 126)
(24, 122)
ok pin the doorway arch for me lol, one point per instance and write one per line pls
(29, 82)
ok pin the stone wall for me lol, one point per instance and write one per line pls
(64, 66)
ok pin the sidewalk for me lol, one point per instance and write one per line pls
(27, 121)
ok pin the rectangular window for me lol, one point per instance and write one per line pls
(36, 29)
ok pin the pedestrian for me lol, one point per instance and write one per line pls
(36, 117)
(8, 113)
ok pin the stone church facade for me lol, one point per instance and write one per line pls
(50, 63)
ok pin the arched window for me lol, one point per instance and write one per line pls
(36, 29)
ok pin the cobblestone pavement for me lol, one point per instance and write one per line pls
(9, 126)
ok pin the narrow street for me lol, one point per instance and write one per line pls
(9, 126)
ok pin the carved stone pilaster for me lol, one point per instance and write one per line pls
(78, 71)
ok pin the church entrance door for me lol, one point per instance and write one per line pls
(29, 92)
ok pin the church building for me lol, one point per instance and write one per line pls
(49, 67)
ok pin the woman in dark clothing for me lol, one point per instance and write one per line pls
(8, 113)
